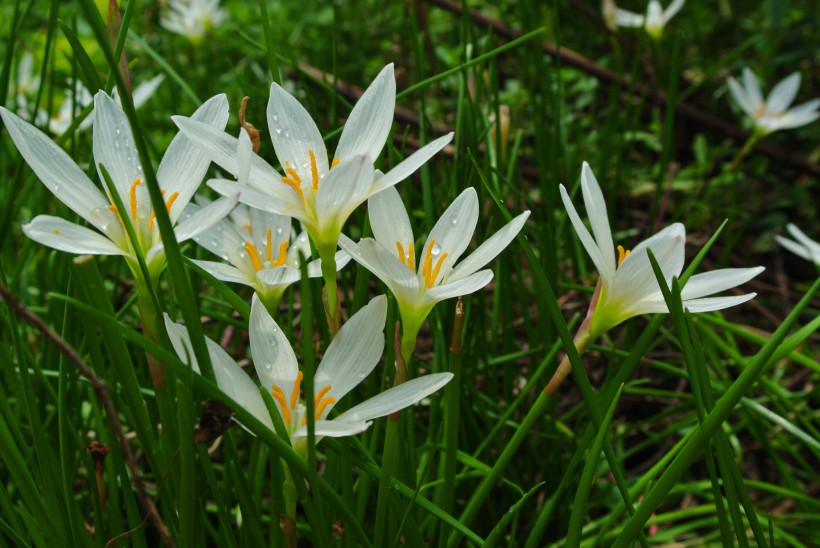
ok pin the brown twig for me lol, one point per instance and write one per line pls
(101, 389)
(589, 66)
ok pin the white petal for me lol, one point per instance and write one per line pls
(259, 199)
(594, 252)
(635, 279)
(333, 429)
(624, 18)
(205, 218)
(280, 276)
(341, 191)
(752, 87)
(226, 272)
(369, 123)
(60, 234)
(223, 239)
(244, 153)
(144, 91)
(597, 214)
(464, 286)
(452, 233)
(273, 356)
(54, 167)
(673, 8)
(796, 248)
(230, 378)
(716, 281)
(742, 98)
(185, 163)
(221, 148)
(801, 237)
(410, 165)
(294, 134)
(783, 94)
(716, 303)
(114, 148)
(800, 115)
(354, 351)
(314, 268)
(396, 398)
(489, 250)
(389, 220)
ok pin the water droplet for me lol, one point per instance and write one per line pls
(119, 131)
(436, 251)
(268, 366)
(142, 212)
(102, 217)
(275, 117)
(454, 220)
(213, 242)
(279, 230)
(55, 187)
(278, 130)
(242, 252)
(303, 238)
(218, 228)
(287, 133)
(304, 163)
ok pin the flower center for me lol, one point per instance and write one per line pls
(320, 403)
(256, 258)
(279, 396)
(132, 203)
(408, 259)
(622, 254)
(429, 272)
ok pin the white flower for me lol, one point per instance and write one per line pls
(804, 246)
(773, 113)
(81, 98)
(192, 19)
(436, 277)
(179, 173)
(655, 19)
(351, 356)
(628, 286)
(320, 193)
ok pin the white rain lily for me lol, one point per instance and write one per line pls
(628, 286)
(179, 174)
(802, 245)
(654, 21)
(193, 19)
(773, 113)
(419, 286)
(261, 247)
(351, 356)
(319, 192)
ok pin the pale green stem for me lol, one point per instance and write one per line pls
(328, 257)
(747, 147)
(287, 523)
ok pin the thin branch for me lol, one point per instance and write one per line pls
(101, 389)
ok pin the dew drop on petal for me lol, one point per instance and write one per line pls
(279, 230)
(268, 366)
(454, 220)
(436, 251)
(102, 217)
(142, 212)
(213, 242)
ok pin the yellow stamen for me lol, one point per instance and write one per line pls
(268, 250)
(411, 257)
(334, 163)
(248, 229)
(133, 197)
(168, 205)
(314, 170)
(283, 255)
(428, 271)
(279, 396)
(401, 252)
(294, 397)
(325, 402)
(294, 183)
(256, 260)
(622, 254)
(57, 231)
(320, 395)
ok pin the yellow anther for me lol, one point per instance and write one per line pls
(294, 175)
(294, 396)
(314, 170)
(320, 409)
(283, 255)
(133, 196)
(57, 231)
(268, 250)
(294, 182)
(256, 260)
(320, 395)
(427, 270)
(408, 259)
(401, 252)
(168, 203)
(334, 163)
(279, 396)
(622, 254)
(248, 229)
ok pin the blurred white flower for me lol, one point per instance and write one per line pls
(803, 246)
(193, 19)
(655, 19)
(773, 113)
(628, 286)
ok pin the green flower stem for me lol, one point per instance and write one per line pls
(747, 147)
(448, 470)
(391, 436)
(328, 257)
